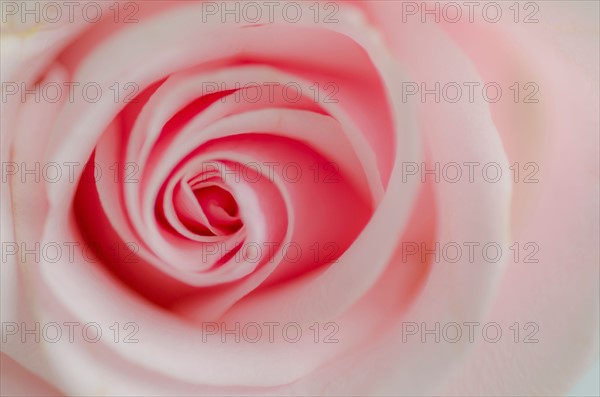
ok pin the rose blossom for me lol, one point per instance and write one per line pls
(332, 199)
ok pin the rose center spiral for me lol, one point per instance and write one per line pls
(207, 208)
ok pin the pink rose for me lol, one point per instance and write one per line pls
(299, 198)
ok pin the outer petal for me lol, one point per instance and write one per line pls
(560, 213)
(560, 293)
